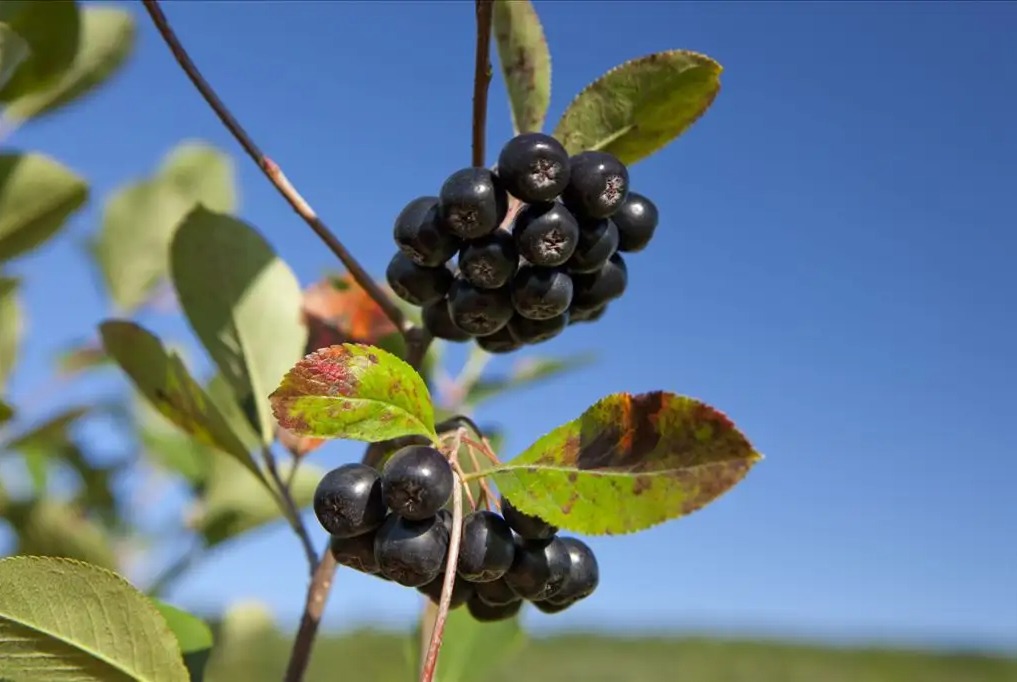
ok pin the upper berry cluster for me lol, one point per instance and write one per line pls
(557, 263)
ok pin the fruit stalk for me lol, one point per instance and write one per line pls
(481, 79)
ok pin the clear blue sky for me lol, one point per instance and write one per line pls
(834, 269)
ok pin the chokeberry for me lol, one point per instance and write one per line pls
(583, 574)
(637, 221)
(439, 323)
(532, 332)
(416, 482)
(550, 607)
(502, 341)
(489, 262)
(478, 311)
(462, 591)
(598, 240)
(472, 203)
(598, 184)
(496, 593)
(421, 237)
(538, 570)
(417, 284)
(356, 552)
(534, 167)
(579, 314)
(546, 234)
(605, 285)
(489, 613)
(348, 500)
(541, 293)
(486, 548)
(411, 553)
(527, 526)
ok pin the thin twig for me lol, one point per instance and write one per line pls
(271, 169)
(469, 493)
(485, 450)
(291, 510)
(481, 79)
(314, 606)
(485, 488)
(431, 660)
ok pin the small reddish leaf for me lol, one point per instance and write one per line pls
(299, 446)
(338, 310)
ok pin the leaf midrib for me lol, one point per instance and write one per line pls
(508, 468)
(424, 432)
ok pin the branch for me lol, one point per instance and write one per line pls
(272, 170)
(314, 606)
(290, 508)
(481, 79)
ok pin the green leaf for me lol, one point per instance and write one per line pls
(472, 650)
(202, 173)
(6, 412)
(47, 528)
(164, 381)
(627, 463)
(193, 636)
(10, 327)
(525, 373)
(525, 62)
(50, 434)
(637, 108)
(354, 391)
(106, 40)
(51, 30)
(170, 449)
(243, 302)
(13, 51)
(37, 195)
(67, 621)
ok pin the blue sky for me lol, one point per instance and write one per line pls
(833, 270)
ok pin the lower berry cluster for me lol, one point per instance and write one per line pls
(395, 524)
(557, 263)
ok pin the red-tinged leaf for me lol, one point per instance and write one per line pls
(299, 446)
(628, 463)
(338, 310)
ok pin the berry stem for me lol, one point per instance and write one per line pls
(289, 507)
(272, 170)
(481, 79)
(317, 595)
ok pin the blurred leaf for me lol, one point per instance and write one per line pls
(51, 30)
(132, 247)
(13, 52)
(221, 393)
(37, 195)
(525, 62)
(627, 463)
(50, 434)
(172, 450)
(473, 650)
(6, 412)
(10, 327)
(338, 310)
(105, 41)
(81, 358)
(356, 392)
(66, 621)
(526, 372)
(639, 107)
(97, 491)
(242, 301)
(47, 528)
(193, 636)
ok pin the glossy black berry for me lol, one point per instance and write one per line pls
(489, 262)
(348, 500)
(541, 293)
(416, 482)
(534, 167)
(488, 613)
(605, 285)
(496, 593)
(598, 240)
(486, 549)
(356, 552)
(462, 591)
(472, 203)
(546, 234)
(439, 323)
(539, 569)
(421, 237)
(583, 574)
(598, 184)
(637, 221)
(528, 527)
(500, 342)
(411, 553)
(478, 311)
(417, 284)
(550, 607)
(578, 314)
(532, 332)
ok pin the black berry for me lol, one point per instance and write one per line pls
(420, 236)
(496, 593)
(532, 332)
(598, 240)
(417, 481)
(411, 553)
(348, 500)
(637, 221)
(534, 167)
(462, 591)
(583, 574)
(478, 311)
(356, 552)
(579, 314)
(541, 293)
(527, 526)
(538, 570)
(605, 285)
(487, 613)
(489, 262)
(417, 284)
(439, 323)
(500, 342)
(546, 234)
(472, 203)
(486, 548)
(550, 607)
(598, 184)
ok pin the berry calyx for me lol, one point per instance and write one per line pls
(502, 341)
(598, 240)
(527, 526)
(462, 591)
(411, 553)
(541, 293)
(597, 186)
(539, 569)
(583, 574)
(637, 220)
(472, 203)
(496, 593)
(478, 312)
(534, 167)
(488, 613)
(357, 552)
(489, 262)
(417, 284)
(439, 323)
(486, 549)
(416, 482)
(419, 235)
(531, 332)
(546, 234)
(348, 500)
(595, 289)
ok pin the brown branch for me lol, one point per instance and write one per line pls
(438, 631)
(481, 79)
(271, 169)
(290, 508)
(314, 606)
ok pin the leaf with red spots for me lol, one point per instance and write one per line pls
(354, 391)
(627, 463)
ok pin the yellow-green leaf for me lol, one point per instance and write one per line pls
(193, 636)
(51, 30)
(13, 51)
(6, 411)
(10, 327)
(525, 62)
(48, 528)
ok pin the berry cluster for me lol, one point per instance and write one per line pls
(395, 524)
(557, 263)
